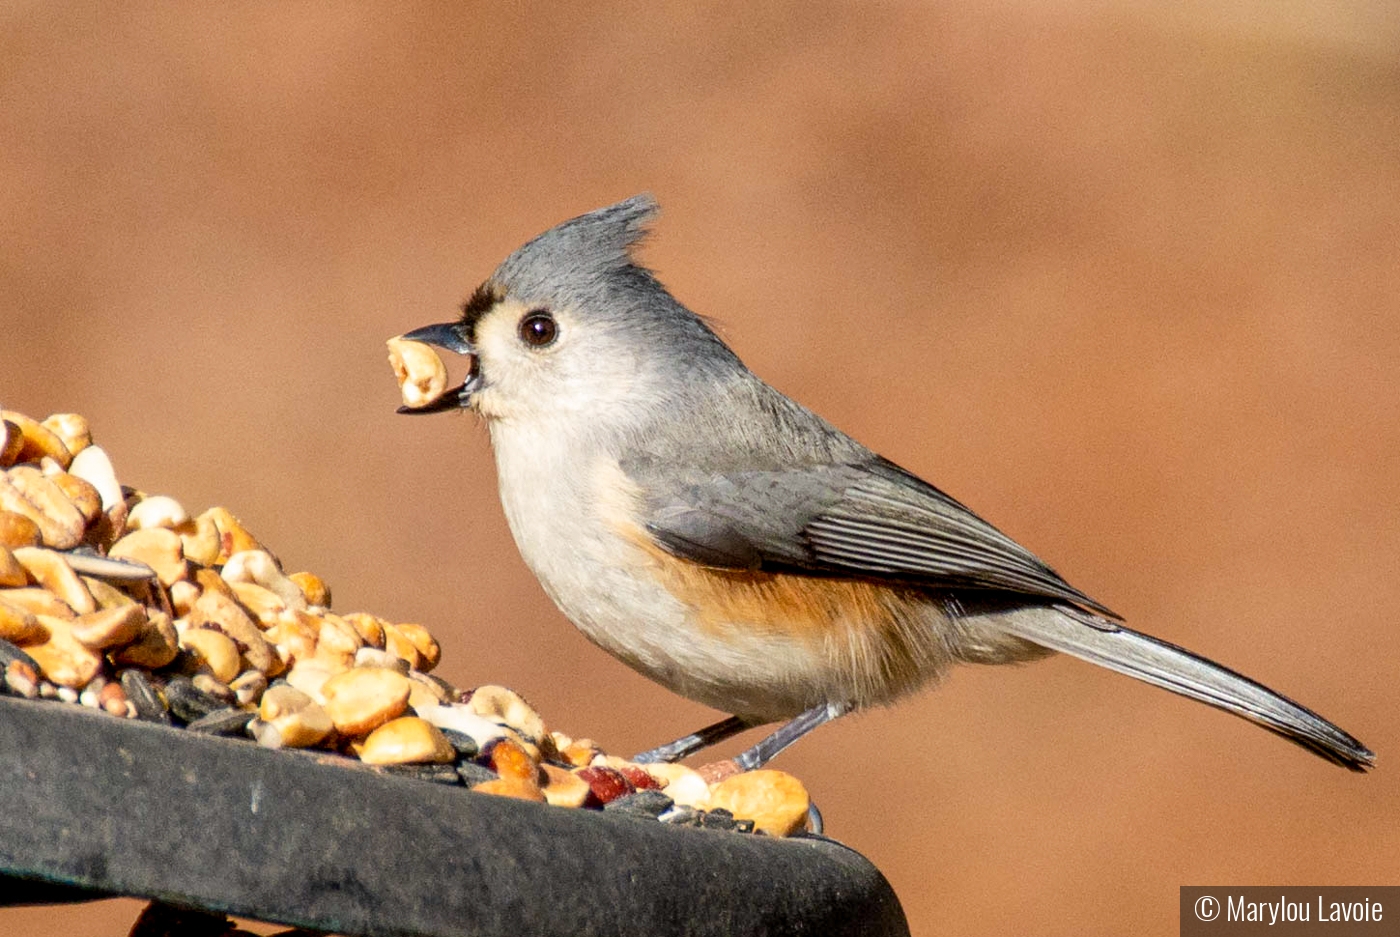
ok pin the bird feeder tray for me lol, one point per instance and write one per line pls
(93, 806)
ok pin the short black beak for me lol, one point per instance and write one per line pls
(445, 335)
(448, 336)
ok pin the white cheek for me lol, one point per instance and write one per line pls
(595, 377)
(509, 377)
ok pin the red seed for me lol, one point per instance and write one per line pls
(606, 784)
(639, 777)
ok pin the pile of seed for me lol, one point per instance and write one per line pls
(126, 603)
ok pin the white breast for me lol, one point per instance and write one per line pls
(564, 521)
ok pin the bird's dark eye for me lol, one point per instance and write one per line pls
(538, 329)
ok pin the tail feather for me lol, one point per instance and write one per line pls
(1162, 664)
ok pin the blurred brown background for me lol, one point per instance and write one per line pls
(1123, 279)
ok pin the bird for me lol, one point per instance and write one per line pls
(735, 547)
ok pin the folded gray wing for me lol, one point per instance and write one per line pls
(873, 520)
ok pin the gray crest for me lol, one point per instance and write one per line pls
(578, 255)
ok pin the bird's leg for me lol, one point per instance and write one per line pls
(752, 758)
(690, 744)
(789, 732)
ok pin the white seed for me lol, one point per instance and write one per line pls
(94, 467)
(157, 511)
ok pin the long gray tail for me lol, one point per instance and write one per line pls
(1110, 645)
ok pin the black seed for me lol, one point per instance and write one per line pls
(718, 819)
(463, 743)
(149, 706)
(188, 702)
(649, 803)
(473, 774)
(226, 721)
(437, 774)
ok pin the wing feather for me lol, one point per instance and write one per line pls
(872, 520)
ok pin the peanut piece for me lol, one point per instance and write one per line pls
(420, 372)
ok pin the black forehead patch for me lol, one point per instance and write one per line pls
(482, 301)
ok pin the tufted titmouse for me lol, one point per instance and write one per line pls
(735, 547)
